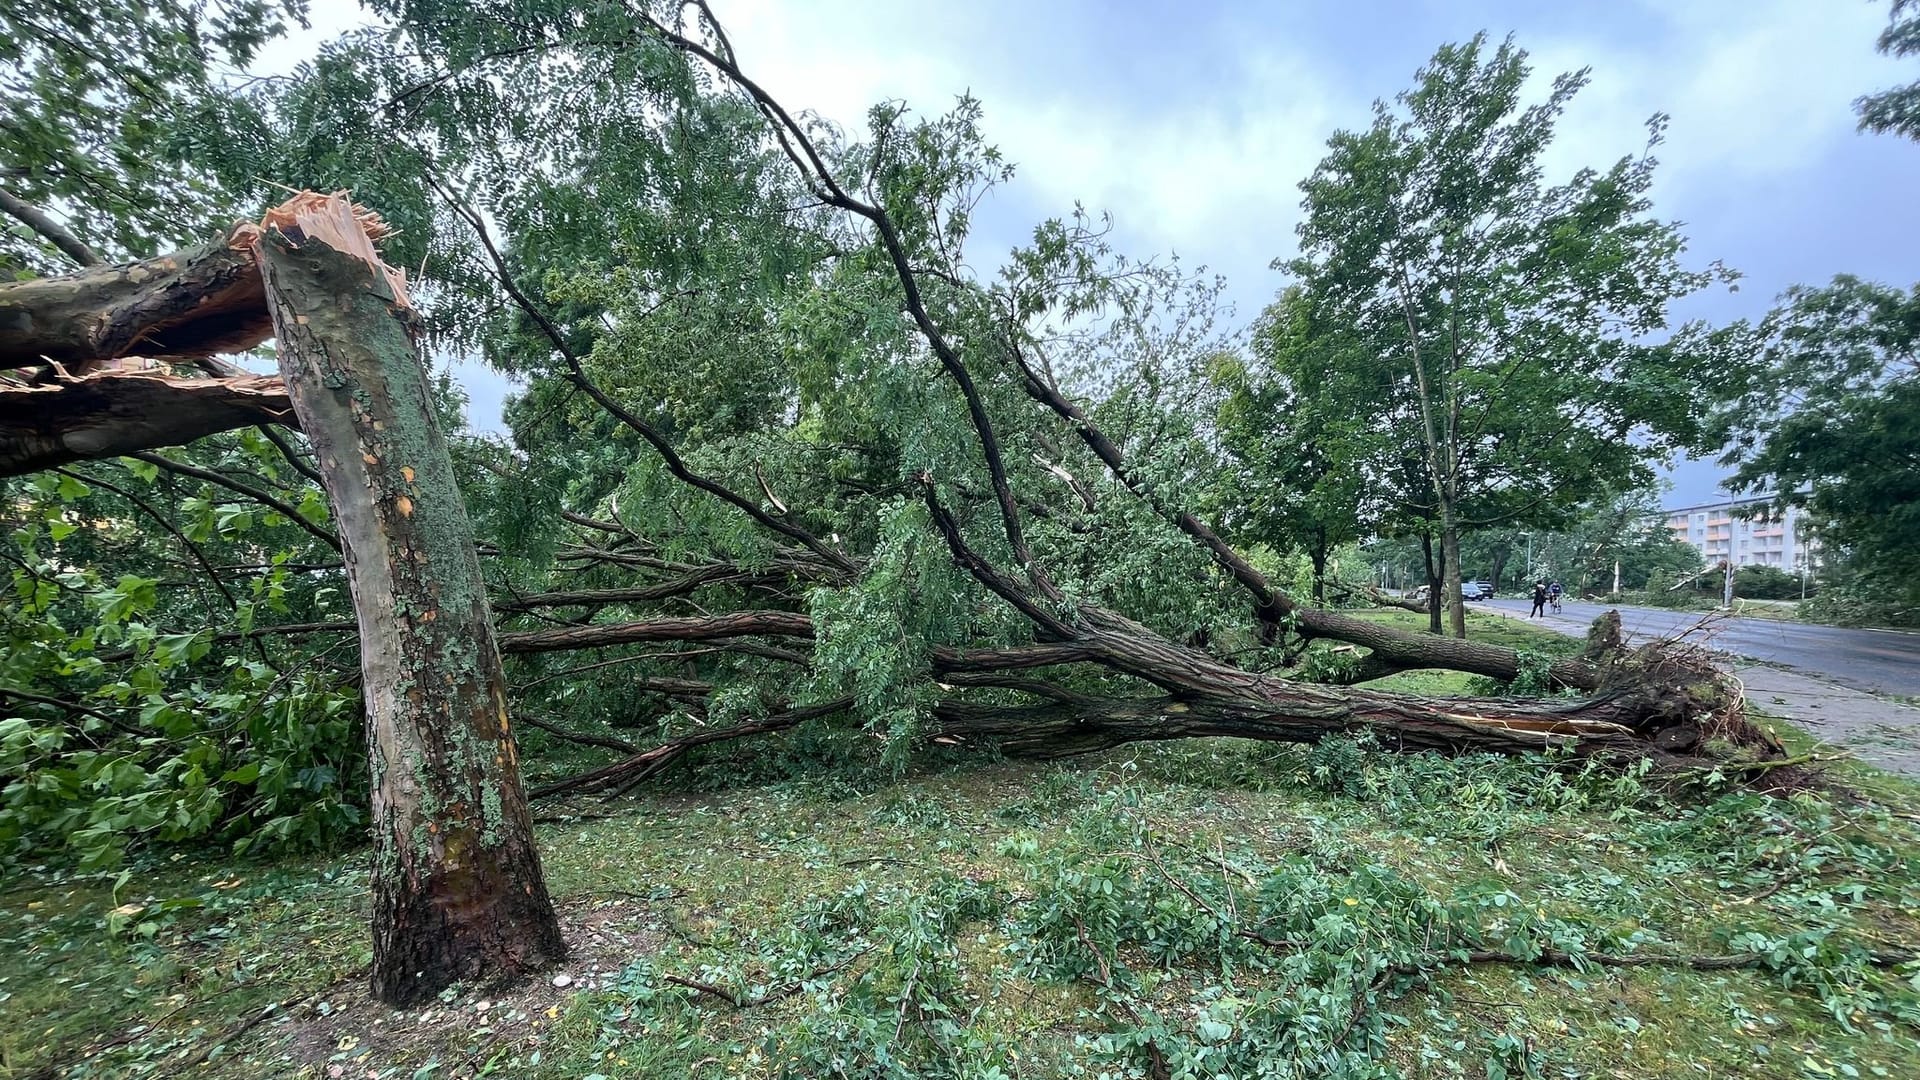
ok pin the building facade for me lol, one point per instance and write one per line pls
(1724, 530)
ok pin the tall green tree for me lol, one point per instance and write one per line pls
(1829, 420)
(1529, 320)
(1299, 437)
(1896, 110)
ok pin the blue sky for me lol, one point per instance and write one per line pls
(1192, 123)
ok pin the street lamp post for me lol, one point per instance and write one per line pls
(1727, 593)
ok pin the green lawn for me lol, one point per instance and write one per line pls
(1482, 626)
(1011, 920)
(1492, 629)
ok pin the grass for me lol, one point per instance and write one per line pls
(956, 923)
(1005, 920)
(1481, 626)
(1485, 627)
(1767, 609)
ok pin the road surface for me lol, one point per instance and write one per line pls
(1877, 661)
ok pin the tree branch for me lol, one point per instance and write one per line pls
(578, 376)
(985, 573)
(264, 498)
(806, 157)
(110, 414)
(52, 231)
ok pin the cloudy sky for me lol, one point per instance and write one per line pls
(1192, 123)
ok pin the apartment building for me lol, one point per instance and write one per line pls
(1767, 538)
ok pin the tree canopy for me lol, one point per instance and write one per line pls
(781, 458)
(1829, 420)
(1525, 323)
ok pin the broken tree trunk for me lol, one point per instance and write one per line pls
(187, 304)
(457, 887)
(110, 413)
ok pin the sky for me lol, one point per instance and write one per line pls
(1193, 123)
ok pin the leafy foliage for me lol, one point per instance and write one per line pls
(1299, 428)
(126, 727)
(110, 111)
(1829, 420)
(1895, 110)
(1519, 328)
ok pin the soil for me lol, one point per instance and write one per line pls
(342, 1032)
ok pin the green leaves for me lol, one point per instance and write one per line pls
(106, 108)
(1512, 333)
(1896, 110)
(1827, 418)
(136, 725)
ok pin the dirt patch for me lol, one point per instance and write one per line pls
(343, 1034)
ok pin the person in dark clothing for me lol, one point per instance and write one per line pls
(1539, 599)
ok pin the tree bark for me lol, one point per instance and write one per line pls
(1665, 702)
(109, 414)
(1450, 557)
(457, 886)
(1317, 554)
(1434, 580)
(187, 304)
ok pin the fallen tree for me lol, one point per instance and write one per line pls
(108, 414)
(784, 577)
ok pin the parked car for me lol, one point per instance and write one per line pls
(1469, 590)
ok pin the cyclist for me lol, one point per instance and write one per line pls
(1553, 595)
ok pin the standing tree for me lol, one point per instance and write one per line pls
(1615, 530)
(1829, 420)
(1300, 452)
(457, 887)
(1520, 315)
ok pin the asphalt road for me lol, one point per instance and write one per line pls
(1878, 661)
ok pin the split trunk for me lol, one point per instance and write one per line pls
(457, 887)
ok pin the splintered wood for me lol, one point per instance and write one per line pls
(342, 225)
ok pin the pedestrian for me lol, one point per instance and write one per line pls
(1539, 600)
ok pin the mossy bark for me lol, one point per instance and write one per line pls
(457, 887)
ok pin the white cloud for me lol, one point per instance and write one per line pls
(1755, 89)
(1195, 130)
(1213, 178)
